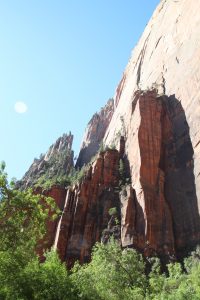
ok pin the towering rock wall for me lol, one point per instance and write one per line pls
(167, 58)
(156, 109)
(160, 156)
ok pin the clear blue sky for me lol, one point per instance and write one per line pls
(63, 59)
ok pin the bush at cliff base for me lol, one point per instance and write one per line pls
(120, 275)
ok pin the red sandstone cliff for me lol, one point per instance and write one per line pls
(162, 173)
(158, 212)
(156, 110)
(162, 130)
(86, 209)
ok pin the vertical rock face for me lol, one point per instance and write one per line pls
(94, 133)
(55, 164)
(86, 209)
(160, 154)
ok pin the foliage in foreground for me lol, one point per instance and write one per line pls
(112, 274)
(22, 224)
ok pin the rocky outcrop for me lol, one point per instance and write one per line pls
(53, 166)
(94, 133)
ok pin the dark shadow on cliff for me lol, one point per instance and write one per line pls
(86, 154)
(179, 188)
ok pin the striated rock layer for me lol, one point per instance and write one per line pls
(86, 209)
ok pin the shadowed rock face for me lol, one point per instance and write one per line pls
(180, 189)
(94, 133)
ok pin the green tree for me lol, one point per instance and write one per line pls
(176, 285)
(112, 274)
(22, 225)
(155, 279)
(49, 280)
(112, 211)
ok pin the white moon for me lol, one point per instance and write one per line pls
(20, 107)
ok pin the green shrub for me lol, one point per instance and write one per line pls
(112, 211)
